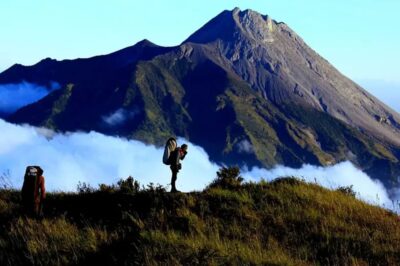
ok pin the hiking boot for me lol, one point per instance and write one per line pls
(174, 190)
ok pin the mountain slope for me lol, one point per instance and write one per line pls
(244, 87)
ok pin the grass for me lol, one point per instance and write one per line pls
(284, 222)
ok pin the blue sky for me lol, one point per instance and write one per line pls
(360, 38)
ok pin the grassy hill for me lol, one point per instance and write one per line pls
(284, 222)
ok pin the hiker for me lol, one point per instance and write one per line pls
(172, 156)
(176, 156)
(33, 191)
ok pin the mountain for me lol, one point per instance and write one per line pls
(245, 87)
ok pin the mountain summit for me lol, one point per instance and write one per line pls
(246, 88)
(231, 26)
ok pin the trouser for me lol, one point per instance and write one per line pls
(33, 209)
(173, 179)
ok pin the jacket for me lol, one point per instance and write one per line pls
(177, 155)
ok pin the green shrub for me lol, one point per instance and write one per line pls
(84, 188)
(347, 190)
(227, 178)
(129, 185)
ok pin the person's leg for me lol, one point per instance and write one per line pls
(36, 209)
(30, 210)
(173, 180)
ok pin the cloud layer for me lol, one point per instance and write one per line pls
(95, 158)
(15, 96)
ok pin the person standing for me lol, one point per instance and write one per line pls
(176, 156)
(33, 191)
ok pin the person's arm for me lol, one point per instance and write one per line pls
(176, 157)
(184, 155)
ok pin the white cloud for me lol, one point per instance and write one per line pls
(95, 158)
(119, 116)
(15, 96)
(245, 147)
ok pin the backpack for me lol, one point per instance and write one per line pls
(30, 179)
(170, 146)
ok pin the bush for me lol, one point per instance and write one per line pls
(129, 185)
(84, 188)
(347, 190)
(227, 178)
(155, 188)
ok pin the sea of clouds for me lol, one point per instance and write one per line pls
(95, 158)
(15, 96)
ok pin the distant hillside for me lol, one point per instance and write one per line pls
(285, 222)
